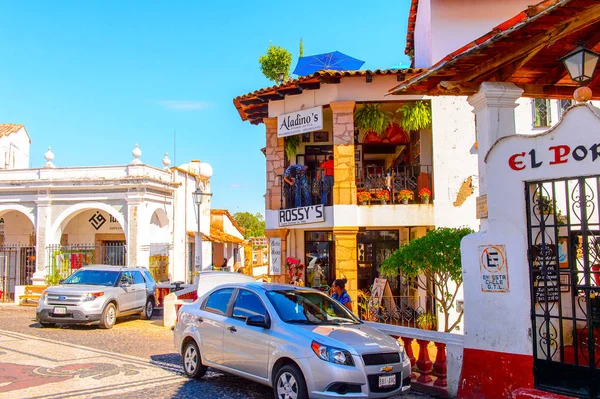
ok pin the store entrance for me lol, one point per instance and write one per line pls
(319, 259)
(373, 248)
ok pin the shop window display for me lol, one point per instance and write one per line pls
(319, 259)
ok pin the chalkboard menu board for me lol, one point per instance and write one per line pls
(545, 276)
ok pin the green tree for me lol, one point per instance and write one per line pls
(433, 260)
(253, 225)
(301, 50)
(277, 60)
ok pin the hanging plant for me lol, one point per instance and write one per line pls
(291, 146)
(415, 116)
(371, 117)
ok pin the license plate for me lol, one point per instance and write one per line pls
(387, 380)
(60, 310)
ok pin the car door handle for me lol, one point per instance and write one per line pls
(232, 329)
(199, 319)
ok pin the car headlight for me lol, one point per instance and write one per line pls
(43, 296)
(90, 296)
(331, 354)
(403, 358)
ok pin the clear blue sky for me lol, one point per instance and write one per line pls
(92, 79)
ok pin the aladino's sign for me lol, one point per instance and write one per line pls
(303, 121)
(556, 155)
(275, 248)
(302, 215)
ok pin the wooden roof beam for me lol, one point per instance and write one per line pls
(309, 86)
(250, 101)
(329, 79)
(534, 44)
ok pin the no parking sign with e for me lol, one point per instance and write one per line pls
(494, 268)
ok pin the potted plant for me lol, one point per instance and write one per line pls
(370, 117)
(363, 197)
(424, 195)
(405, 196)
(415, 116)
(427, 321)
(291, 146)
(383, 196)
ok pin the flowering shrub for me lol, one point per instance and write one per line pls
(406, 195)
(424, 193)
(363, 196)
(383, 195)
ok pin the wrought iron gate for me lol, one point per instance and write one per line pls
(563, 221)
(17, 265)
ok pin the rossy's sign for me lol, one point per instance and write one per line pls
(555, 155)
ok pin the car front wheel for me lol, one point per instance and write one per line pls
(192, 363)
(148, 310)
(109, 316)
(290, 384)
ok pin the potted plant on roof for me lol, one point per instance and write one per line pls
(363, 197)
(424, 195)
(405, 196)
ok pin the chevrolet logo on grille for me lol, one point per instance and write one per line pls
(387, 369)
(62, 298)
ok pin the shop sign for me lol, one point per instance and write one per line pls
(302, 215)
(275, 264)
(545, 276)
(303, 121)
(555, 155)
(493, 266)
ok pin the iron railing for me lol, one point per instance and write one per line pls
(317, 190)
(407, 311)
(380, 185)
(65, 259)
(17, 265)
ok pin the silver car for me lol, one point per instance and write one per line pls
(98, 294)
(294, 339)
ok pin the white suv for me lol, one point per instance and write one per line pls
(98, 294)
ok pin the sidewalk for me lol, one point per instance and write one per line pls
(71, 371)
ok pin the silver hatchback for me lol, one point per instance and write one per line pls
(294, 339)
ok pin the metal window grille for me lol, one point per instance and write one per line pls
(541, 112)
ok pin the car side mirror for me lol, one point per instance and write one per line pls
(258, 321)
(62, 280)
(125, 284)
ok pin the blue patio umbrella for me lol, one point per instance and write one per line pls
(329, 61)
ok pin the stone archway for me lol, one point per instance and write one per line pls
(17, 249)
(159, 240)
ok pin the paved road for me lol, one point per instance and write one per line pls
(136, 357)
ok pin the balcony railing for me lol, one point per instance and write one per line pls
(439, 377)
(316, 189)
(382, 185)
(397, 310)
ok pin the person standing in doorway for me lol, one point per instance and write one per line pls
(327, 173)
(224, 265)
(340, 294)
(295, 176)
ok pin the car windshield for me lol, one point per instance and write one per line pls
(309, 307)
(93, 277)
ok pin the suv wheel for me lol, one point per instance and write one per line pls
(148, 309)
(289, 383)
(47, 325)
(109, 316)
(192, 363)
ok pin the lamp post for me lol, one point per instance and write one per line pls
(198, 196)
(581, 64)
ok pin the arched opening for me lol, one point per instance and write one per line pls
(17, 251)
(84, 236)
(159, 235)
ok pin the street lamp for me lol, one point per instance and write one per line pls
(198, 196)
(581, 64)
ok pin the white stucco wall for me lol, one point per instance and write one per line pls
(14, 150)
(501, 321)
(454, 162)
(16, 228)
(81, 231)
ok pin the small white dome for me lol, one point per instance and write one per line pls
(206, 171)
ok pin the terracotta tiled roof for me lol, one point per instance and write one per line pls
(254, 106)
(524, 50)
(8, 128)
(410, 34)
(226, 213)
(217, 235)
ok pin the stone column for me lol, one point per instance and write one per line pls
(344, 183)
(494, 108)
(132, 230)
(275, 153)
(283, 234)
(43, 222)
(346, 260)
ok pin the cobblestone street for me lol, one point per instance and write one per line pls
(135, 359)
